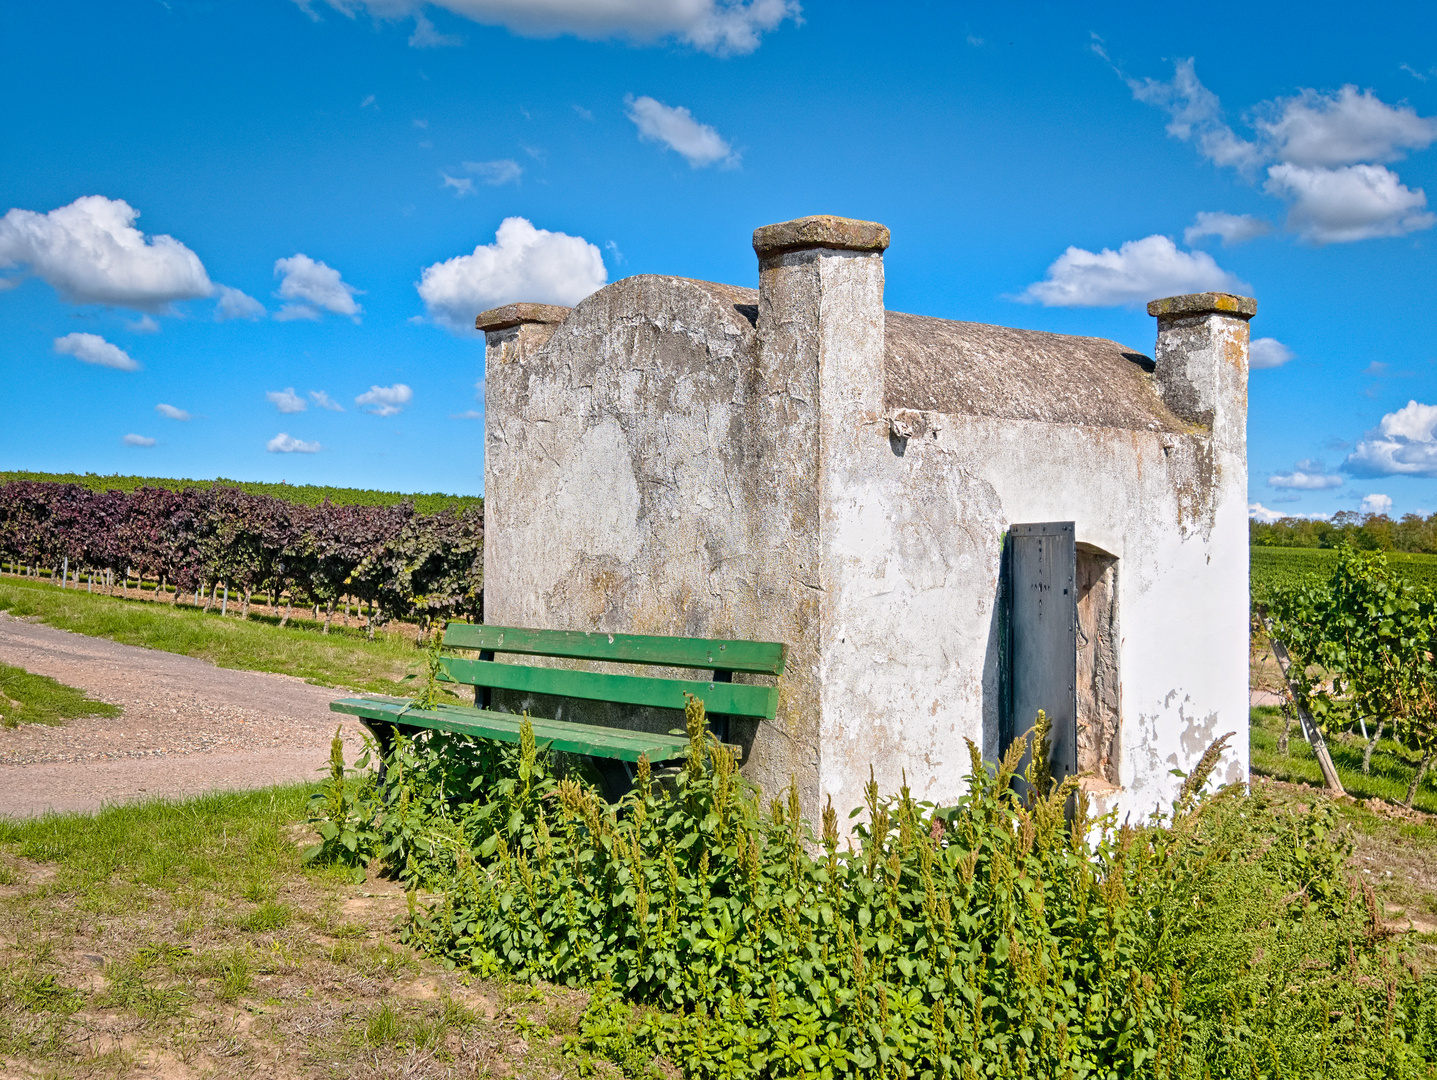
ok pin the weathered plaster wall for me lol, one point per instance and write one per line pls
(925, 544)
(649, 470)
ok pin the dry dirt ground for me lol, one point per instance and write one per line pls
(187, 726)
(300, 982)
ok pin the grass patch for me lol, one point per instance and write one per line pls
(1392, 764)
(343, 658)
(38, 699)
(184, 938)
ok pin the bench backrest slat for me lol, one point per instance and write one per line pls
(733, 699)
(759, 657)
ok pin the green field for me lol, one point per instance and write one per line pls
(299, 494)
(1277, 566)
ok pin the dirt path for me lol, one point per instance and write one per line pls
(187, 726)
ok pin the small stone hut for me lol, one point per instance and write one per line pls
(949, 524)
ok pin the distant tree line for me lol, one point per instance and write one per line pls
(198, 541)
(1364, 532)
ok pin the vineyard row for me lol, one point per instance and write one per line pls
(209, 543)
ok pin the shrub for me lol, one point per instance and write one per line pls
(1008, 936)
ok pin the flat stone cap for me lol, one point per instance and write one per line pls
(821, 231)
(502, 318)
(1205, 303)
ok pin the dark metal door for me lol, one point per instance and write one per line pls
(1043, 637)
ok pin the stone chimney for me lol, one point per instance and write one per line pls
(820, 304)
(1201, 359)
(514, 329)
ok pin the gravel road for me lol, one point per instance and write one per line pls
(187, 726)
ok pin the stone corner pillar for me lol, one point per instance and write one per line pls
(1202, 361)
(821, 344)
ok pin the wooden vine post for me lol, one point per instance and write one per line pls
(1309, 725)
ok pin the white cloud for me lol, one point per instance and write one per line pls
(1139, 271)
(286, 400)
(91, 253)
(1355, 202)
(1403, 444)
(93, 349)
(523, 264)
(462, 185)
(234, 304)
(426, 37)
(1376, 504)
(494, 173)
(1345, 128)
(286, 444)
(310, 287)
(676, 128)
(324, 401)
(385, 400)
(138, 440)
(1323, 154)
(716, 26)
(171, 411)
(143, 325)
(1230, 228)
(1262, 513)
(1266, 352)
(1195, 115)
(1307, 475)
(468, 414)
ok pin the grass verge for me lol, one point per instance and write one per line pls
(340, 659)
(1392, 764)
(182, 938)
(26, 698)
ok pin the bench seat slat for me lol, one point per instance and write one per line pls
(733, 699)
(757, 657)
(565, 735)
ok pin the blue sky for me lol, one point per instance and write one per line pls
(333, 178)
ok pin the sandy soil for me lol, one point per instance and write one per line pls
(187, 726)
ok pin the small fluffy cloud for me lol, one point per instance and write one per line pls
(523, 263)
(1376, 504)
(287, 444)
(1323, 154)
(1258, 512)
(286, 400)
(1139, 271)
(138, 440)
(1306, 476)
(385, 400)
(1266, 352)
(468, 414)
(717, 26)
(143, 325)
(1355, 202)
(1344, 128)
(91, 253)
(324, 401)
(171, 412)
(234, 304)
(494, 173)
(676, 128)
(311, 288)
(1403, 444)
(93, 349)
(1230, 228)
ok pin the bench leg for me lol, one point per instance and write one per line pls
(384, 736)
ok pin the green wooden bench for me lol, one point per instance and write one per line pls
(722, 697)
